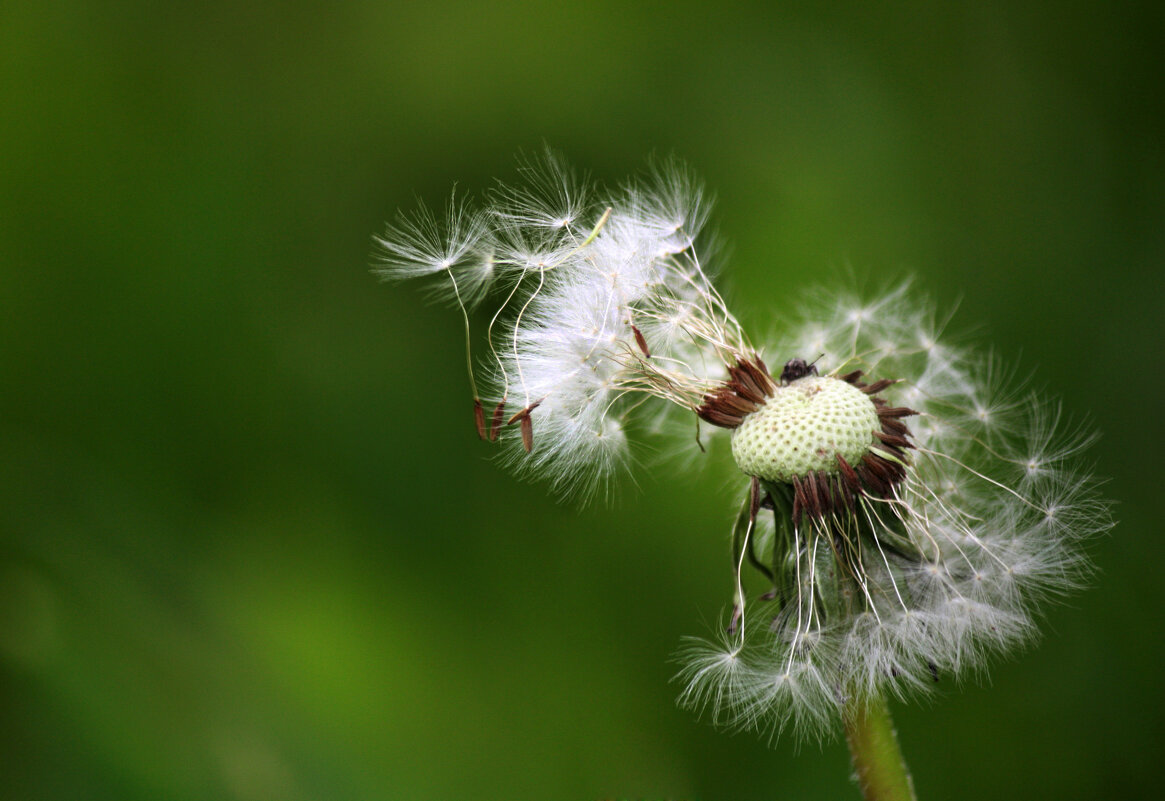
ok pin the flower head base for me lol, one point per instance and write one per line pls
(920, 511)
(909, 537)
(822, 426)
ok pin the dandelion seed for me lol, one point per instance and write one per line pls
(920, 510)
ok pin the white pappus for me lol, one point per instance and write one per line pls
(907, 508)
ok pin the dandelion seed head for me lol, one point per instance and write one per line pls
(908, 508)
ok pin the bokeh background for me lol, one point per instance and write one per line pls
(249, 545)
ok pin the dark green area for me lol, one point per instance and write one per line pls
(249, 545)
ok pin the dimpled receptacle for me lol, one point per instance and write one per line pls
(803, 427)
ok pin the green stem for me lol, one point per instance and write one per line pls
(873, 744)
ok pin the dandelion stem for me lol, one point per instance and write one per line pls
(881, 771)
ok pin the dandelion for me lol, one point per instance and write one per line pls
(905, 509)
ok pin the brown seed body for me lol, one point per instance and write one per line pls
(479, 418)
(745, 391)
(499, 417)
(641, 341)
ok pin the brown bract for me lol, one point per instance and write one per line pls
(820, 493)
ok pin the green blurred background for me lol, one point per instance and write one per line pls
(249, 545)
